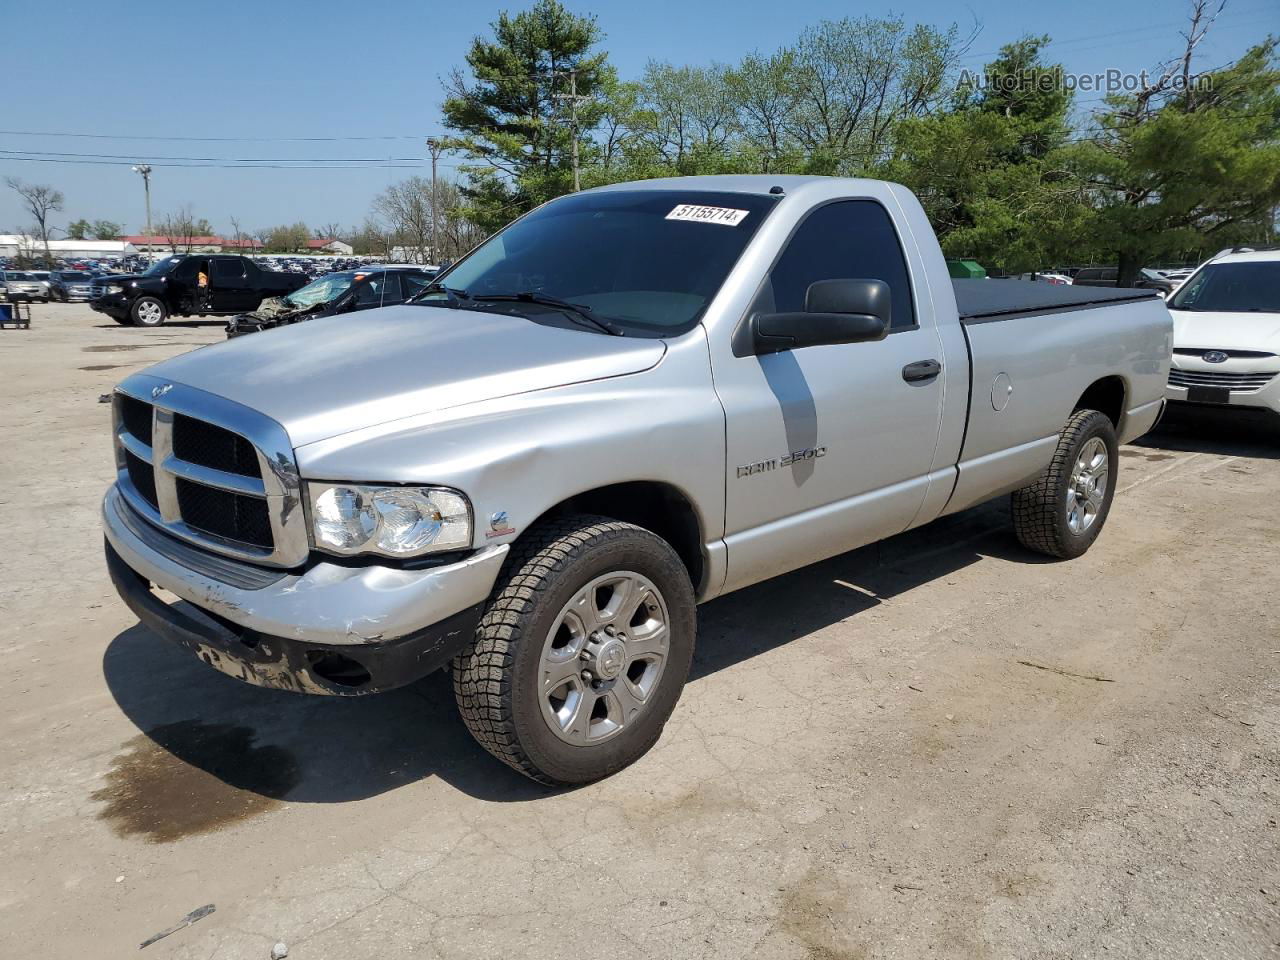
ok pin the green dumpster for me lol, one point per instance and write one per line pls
(965, 269)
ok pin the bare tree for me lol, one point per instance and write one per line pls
(402, 218)
(40, 201)
(238, 237)
(182, 228)
(405, 208)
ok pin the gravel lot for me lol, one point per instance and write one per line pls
(942, 746)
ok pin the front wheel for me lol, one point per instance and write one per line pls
(582, 651)
(148, 312)
(1062, 513)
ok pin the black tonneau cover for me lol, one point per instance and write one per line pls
(990, 299)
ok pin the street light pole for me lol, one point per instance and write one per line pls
(145, 170)
(434, 146)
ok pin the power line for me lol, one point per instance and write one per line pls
(228, 166)
(135, 158)
(1145, 28)
(134, 136)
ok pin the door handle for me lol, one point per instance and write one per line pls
(921, 370)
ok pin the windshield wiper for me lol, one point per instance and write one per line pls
(453, 295)
(572, 310)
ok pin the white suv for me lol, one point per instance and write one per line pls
(1226, 332)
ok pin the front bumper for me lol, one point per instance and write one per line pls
(1266, 397)
(330, 629)
(112, 304)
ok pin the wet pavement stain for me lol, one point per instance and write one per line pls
(117, 347)
(106, 366)
(189, 778)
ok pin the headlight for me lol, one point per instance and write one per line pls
(351, 518)
(115, 288)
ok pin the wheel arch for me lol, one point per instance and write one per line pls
(659, 507)
(1107, 396)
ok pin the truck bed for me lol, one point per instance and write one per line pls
(980, 301)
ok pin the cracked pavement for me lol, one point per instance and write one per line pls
(868, 760)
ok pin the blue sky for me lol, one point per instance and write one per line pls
(326, 69)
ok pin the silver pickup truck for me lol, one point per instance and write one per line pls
(631, 400)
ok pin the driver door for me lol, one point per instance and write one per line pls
(829, 447)
(229, 288)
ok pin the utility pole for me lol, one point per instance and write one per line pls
(436, 149)
(145, 170)
(573, 98)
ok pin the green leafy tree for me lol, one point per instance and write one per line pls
(78, 230)
(106, 230)
(512, 116)
(1191, 161)
(991, 171)
(287, 237)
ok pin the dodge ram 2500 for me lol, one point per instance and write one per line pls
(629, 401)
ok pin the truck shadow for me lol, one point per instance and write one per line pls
(236, 747)
(1235, 432)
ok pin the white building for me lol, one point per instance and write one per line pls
(20, 245)
(329, 245)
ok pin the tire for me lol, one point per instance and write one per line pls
(148, 312)
(544, 618)
(1062, 513)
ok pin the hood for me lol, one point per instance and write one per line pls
(274, 307)
(337, 374)
(1226, 331)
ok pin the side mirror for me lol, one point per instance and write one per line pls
(836, 311)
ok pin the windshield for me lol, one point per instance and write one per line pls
(1232, 288)
(329, 287)
(651, 260)
(162, 266)
(17, 276)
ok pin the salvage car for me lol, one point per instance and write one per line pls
(629, 401)
(1226, 333)
(171, 287)
(334, 293)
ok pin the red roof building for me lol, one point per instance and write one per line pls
(208, 244)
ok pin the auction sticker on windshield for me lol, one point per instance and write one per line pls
(725, 216)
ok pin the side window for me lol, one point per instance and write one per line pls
(188, 268)
(846, 240)
(227, 268)
(414, 283)
(379, 289)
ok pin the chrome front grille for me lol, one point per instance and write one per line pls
(1236, 382)
(209, 471)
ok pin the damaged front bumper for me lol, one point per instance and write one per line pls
(328, 630)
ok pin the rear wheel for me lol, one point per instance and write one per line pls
(1062, 513)
(148, 312)
(582, 652)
